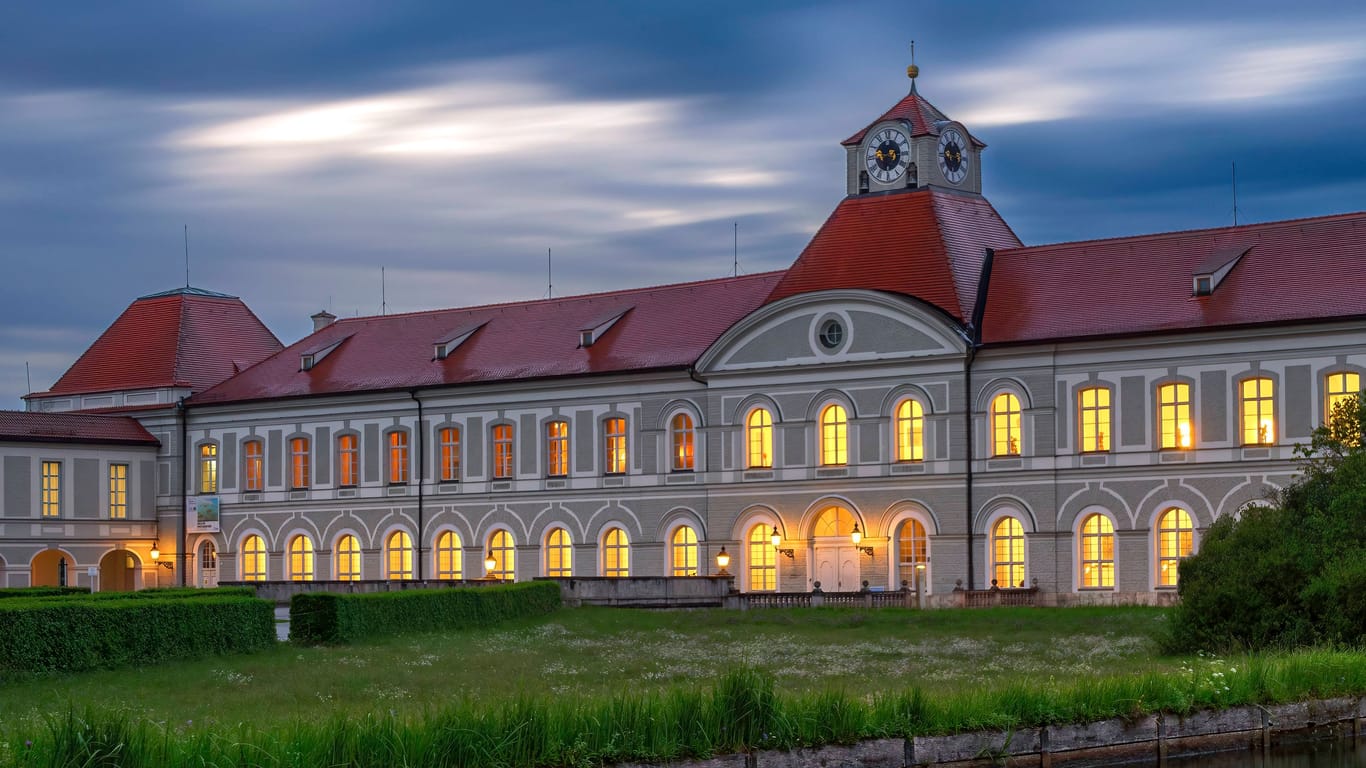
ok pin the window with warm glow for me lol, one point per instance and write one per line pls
(253, 558)
(614, 445)
(910, 431)
(118, 491)
(1341, 387)
(1174, 415)
(557, 448)
(208, 468)
(1005, 425)
(683, 552)
(1097, 553)
(1095, 419)
(253, 465)
(348, 460)
(301, 558)
(1175, 540)
(398, 556)
(348, 558)
(1008, 553)
(398, 457)
(449, 559)
(52, 489)
(502, 451)
(834, 436)
(681, 435)
(759, 437)
(1259, 414)
(450, 454)
(762, 560)
(834, 521)
(912, 549)
(616, 553)
(559, 554)
(298, 463)
(503, 551)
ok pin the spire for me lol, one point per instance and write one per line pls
(912, 71)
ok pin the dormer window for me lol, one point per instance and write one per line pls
(306, 362)
(309, 359)
(591, 333)
(1209, 273)
(585, 338)
(1204, 285)
(448, 343)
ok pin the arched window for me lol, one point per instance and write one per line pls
(301, 558)
(683, 552)
(910, 431)
(912, 548)
(398, 457)
(759, 438)
(559, 554)
(557, 448)
(503, 550)
(502, 451)
(450, 454)
(1341, 387)
(616, 553)
(348, 461)
(681, 436)
(1175, 540)
(1259, 411)
(1174, 415)
(208, 468)
(348, 558)
(1094, 403)
(253, 465)
(253, 558)
(762, 560)
(1008, 553)
(298, 463)
(834, 521)
(614, 445)
(834, 435)
(449, 558)
(1097, 552)
(1005, 425)
(398, 556)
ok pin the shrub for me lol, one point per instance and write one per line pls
(324, 617)
(42, 591)
(172, 593)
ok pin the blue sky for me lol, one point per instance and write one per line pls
(307, 145)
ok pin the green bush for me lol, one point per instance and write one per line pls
(324, 617)
(41, 591)
(171, 593)
(46, 635)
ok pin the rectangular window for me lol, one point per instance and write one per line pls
(1174, 416)
(348, 456)
(557, 448)
(450, 455)
(398, 458)
(1095, 419)
(254, 465)
(1342, 387)
(208, 468)
(52, 489)
(1259, 421)
(298, 463)
(614, 438)
(118, 491)
(502, 451)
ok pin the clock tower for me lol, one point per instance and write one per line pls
(913, 145)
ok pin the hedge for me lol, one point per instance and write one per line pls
(45, 635)
(8, 592)
(166, 593)
(323, 617)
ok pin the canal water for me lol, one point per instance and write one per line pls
(1330, 753)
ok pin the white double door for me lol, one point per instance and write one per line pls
(837, 565)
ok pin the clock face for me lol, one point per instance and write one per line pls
(953, 155)
(887, 155)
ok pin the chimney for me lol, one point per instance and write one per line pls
(322, 320)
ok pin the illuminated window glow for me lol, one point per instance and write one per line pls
(450, 454)
(502, 451)
(682, 436)
(118, 491)
(298, 463)
(683, 552)
(1095, 419)
(1259, 413)
(912, 550)
(398, 556)
(1342, 387)
(1008, 553)
(616, 553)
(559, 554)
(1175, 540)
(762, 560)
(1005, 425)
(1174, 415)
(834, 521)
(503, 551)
(910, 431)
(348, 558)
(301, 558)
(614, 445)
(253, 465)
(834, 436)
(348, 457)
(52, 489)
(557, 448)
(208, 468)
(759, 437)
(398, 458)
(1097, 553)
(449, 558)
(253, 558)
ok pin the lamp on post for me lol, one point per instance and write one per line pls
(920, 585)
(156, 557)
(489, 565)
(857, 537)
(722, 562)
(777, 540)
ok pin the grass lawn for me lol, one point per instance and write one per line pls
(596, 652)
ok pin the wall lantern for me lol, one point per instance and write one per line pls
(777, 540)
(857, 537)
(156, 557)
(489, 565)
(722, 562)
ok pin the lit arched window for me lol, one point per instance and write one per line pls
(1259, 411)
(759, 438)
(559, 554)
(503, 550)
(208, 468)
(834, 435)
(450, 454)
(298, 463)
(614, 445)
(1174, 415)
(398, 556)
(616, 553)
(253, 558)
(683, 552)
(1342, 387)
(398, 457)
(348, 558)
(834, 521)
(449, 559)
(301, 558)
(762, 560)
(1008, 553)
(253, 465)
(1094, 403)
(1097, 552)
(557, 448)
(348, 461)
(681, 436)
(910, 431)
(912, 548)
(1175, 540)
(1005, 425)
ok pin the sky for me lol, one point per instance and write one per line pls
(309, 147)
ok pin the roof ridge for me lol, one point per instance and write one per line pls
(1258, 226)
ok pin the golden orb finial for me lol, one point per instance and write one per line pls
(912, 71)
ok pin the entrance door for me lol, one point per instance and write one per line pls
(837, 567)
(208, 565)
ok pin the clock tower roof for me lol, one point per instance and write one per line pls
(923, 117)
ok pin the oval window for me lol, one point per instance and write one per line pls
(832, 333)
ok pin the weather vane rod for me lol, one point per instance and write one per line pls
(187, 255)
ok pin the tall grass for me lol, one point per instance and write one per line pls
(741, 711)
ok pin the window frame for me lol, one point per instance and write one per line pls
(1257, 411)
(1105, 568)
(348, 460)
(615, 546)
(1005, 426)
(118, 490)
(615, 448)
(300, 473)
(1167, 567)
(1171, 412)
(503, 437)
(761, 558)
(344, 557)
(908, 431)
(448, 556)
(505, 569)
(689, 549)
(557, 448)
(208, 468)
(558, 546)
(50, 488)
(759, 436)
(301, 560)
(404, 570)
(919, 552)
(448, 453)
(398, 454)
(253, 465)
(1333, 396)
(834, 435)
(1095, 420)
(682, 442)
(247, 557)
(995, 563)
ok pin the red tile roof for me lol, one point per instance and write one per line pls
(32, 427)
(182, 338)
(666, 327)
(915, 110)
(926, 243)
(1306, 269)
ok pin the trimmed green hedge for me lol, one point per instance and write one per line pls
(8, 592)
(46, 635)
(168, 593)
(324, 617)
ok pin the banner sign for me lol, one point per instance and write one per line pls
(201, 514)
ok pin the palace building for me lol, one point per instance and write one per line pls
(918, 399)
